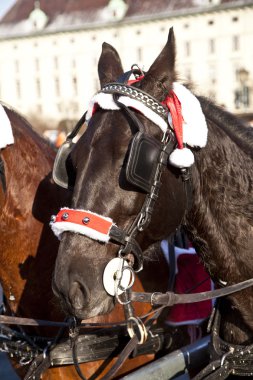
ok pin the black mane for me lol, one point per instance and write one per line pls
(240, 132)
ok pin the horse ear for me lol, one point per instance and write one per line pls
(109, 65)
(159, 78)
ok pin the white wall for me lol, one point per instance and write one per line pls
(68, 55)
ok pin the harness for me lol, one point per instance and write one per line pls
(146, 162)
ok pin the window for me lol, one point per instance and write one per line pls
(74, 85)
(57, 86)
(235, 43)
(211, 46)
(18, 89)
(187, 48)
(16, 64)
(56, 63)
(38, 88)
(139, 54)
(188, 74)
(212, 74)
(37, 64)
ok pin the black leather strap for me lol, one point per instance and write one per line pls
(172, 264)
(170, 298)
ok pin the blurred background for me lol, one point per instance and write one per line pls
(50, 49)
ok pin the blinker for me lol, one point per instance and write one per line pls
(142, 161)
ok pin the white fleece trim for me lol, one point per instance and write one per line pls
(105, 101)
(194, 127)
(60, 227)
(181, 158)
(6, 135)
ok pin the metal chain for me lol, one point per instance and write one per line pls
(137, 94)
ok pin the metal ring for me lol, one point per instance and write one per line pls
(151, 298)
(132, 278)
(122, 302)
(141, 329)
(25, 361)
(224, 357)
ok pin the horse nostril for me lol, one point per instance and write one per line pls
(77, 295)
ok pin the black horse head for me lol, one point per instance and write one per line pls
(100, 158)
(216, 208)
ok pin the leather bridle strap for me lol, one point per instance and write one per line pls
(10, 320)
(132, 344)
(170, 298)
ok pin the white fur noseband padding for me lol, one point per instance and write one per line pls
(194, 127)
(6, 135)
(106, 102)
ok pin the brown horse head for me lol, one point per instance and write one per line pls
(99, 159)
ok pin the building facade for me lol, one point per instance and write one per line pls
(49, 53)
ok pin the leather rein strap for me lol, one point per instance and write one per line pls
(155, 299)
(170, 298)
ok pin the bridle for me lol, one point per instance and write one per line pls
(126, 239)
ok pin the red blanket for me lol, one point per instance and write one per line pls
(191, 277)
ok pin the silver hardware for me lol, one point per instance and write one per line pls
(53, 218)
(134, 93)
(143, 334)
(231, 350)
(125, 288)
(65, 216)
(25, 361)
(86, 220)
